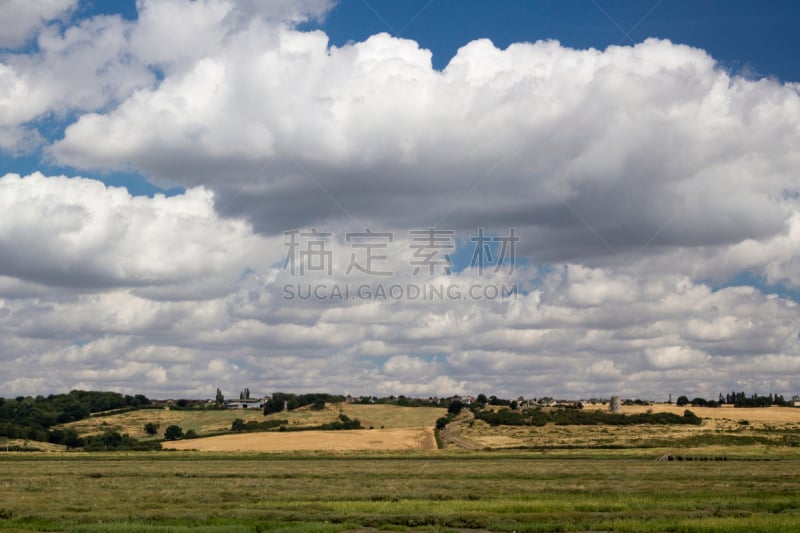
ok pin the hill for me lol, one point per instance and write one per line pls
(215, 421)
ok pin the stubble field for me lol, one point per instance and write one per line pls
(422, 491)
(360, 439)
(764, 428)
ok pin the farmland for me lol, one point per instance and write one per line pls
(366, 439)
(433, 491)
(213, 421)
(739, 470)
(771, 426)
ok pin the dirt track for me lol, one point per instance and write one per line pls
(363, 439)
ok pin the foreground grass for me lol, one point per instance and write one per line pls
(160, 492)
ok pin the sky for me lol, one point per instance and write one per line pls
(571, 199)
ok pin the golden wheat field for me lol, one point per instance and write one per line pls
(361, 439)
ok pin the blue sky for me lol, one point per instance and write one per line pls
(738, 33)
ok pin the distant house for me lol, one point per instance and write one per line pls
(248, 403)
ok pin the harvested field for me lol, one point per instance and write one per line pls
(24, 444)
(370, 415)
(215, 421)
(132, 423)
(394, 416)
(762, 415)
(776, 427)
(365, 439)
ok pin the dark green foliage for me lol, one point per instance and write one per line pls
(318, 405)
(575, 417)
(220, 399)
(455, 407)
(237, 425)
(191, 434)
(173, 432)
(31, 418)
(67, 437)
(151, 428)
(260, 426)
(442, 422)
(113, 441)
(494, 400)
(286, 401)
(681, 401)
(344, 422)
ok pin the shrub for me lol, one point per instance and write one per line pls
(173, 432)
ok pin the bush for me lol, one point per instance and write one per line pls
(455, 407)
(173, 432)
(113, 441)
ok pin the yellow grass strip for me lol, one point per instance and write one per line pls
(365, 439)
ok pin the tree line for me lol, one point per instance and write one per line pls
(33, 418)
(737, 399)
(577, 417)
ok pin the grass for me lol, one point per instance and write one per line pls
(570, 478)
(497, 491)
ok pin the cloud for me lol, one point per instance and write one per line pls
(640, 179)
(622, 156)
(84, 67)
(80, 233)
(20, 19)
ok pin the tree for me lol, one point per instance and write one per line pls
(173, 432)
(318, 405)
(151, 428)
(245, 394)
(220, 398)
(482, 399)
(455, 407)
(681, 401)
(238, 425)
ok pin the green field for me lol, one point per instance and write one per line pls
(434, 491)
